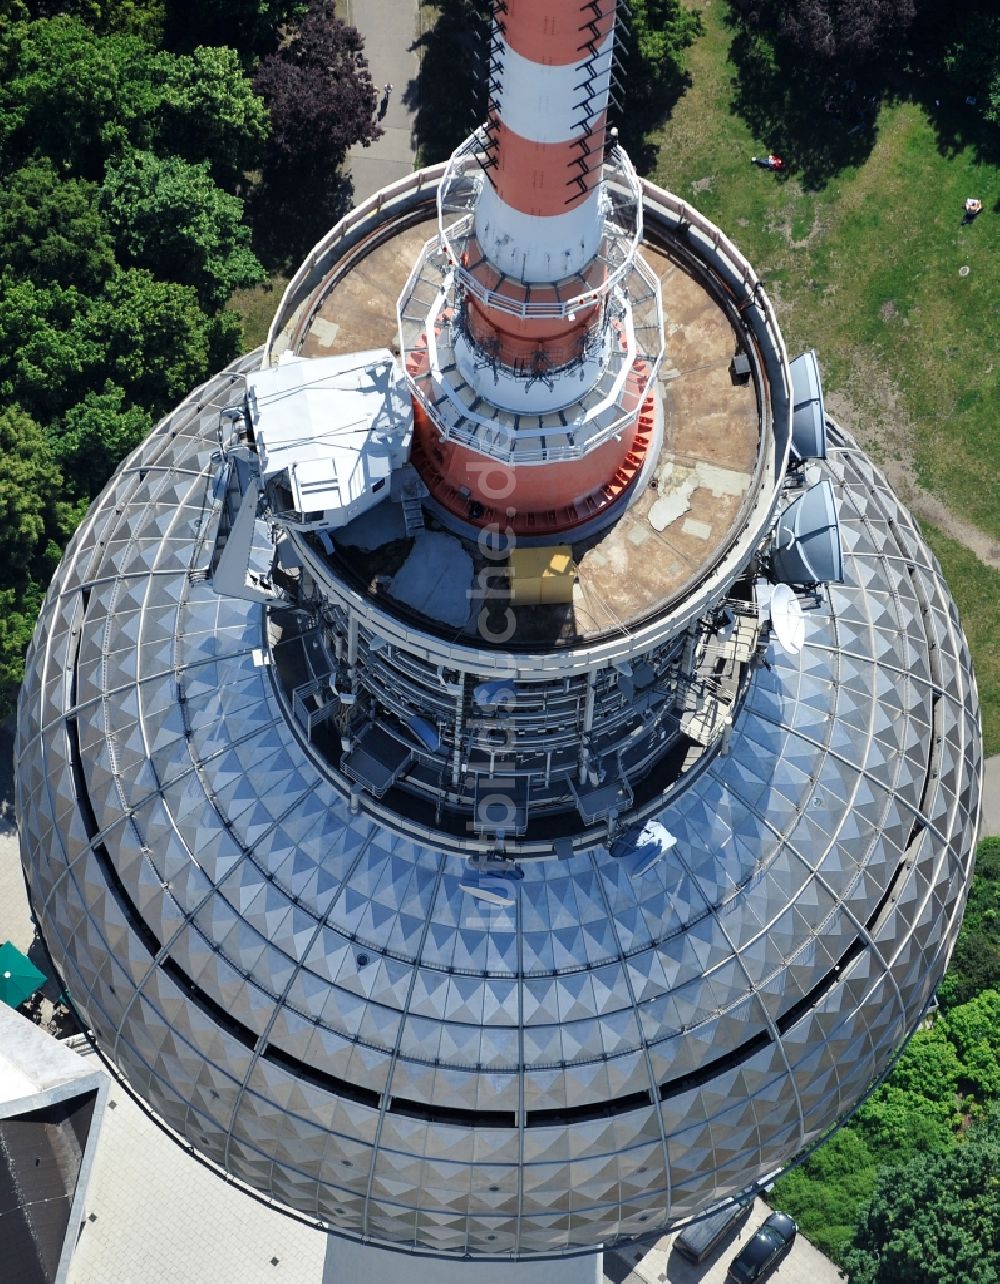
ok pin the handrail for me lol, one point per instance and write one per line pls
(387, 196)
(464, 170)
(752, 311)
(743, 269)
(509, 442)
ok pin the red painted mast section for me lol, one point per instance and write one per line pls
(537, 244)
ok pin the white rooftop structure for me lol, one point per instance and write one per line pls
(336, 427)
(51, 1107)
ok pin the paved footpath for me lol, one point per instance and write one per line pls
(390, 29)
(990, 824)
(15, 918)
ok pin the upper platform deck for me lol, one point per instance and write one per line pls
(680, 518)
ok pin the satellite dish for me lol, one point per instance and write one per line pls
(808, 412)
(787, 620)
(805, 548)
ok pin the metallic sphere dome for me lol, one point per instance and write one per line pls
(304, 989)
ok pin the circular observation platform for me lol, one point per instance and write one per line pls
(690, 517)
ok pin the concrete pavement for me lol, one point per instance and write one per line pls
(390, 29)
(155, 1215)
(15, 917)
(990, 824)
(659, 1264)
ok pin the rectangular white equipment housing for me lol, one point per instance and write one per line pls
(337, 427)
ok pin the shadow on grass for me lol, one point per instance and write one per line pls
(821, 117)
(820, 120)
(960, 126)
(647, 107)
(289, 213)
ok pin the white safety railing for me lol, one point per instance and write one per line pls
(458, 194)
(603, 412)
(365, 217)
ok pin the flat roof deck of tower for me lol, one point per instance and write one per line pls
(685, 518)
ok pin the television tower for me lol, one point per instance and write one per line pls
(542, 352)
(498, 769)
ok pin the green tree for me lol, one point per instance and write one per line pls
(168, 215)
(916, 1109)
(825, 1192)
(79, 97)
(18, 613)
(133, 17)
(898, 1124)
(936, 1219)
(157, 342)
(51, 229)
(48, 352)
(661, 30)
(71, 94)
(210, 111)
(975, 963)
(251, 25)
(974, 1030)
(929, 1067)
(95, 435)
(35, 522)
(30, 487)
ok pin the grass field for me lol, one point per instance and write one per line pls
(976, 589)
(256, 307)
(866, 269)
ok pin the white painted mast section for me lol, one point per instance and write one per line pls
(548, 105)
(536, 248)
(540, 102)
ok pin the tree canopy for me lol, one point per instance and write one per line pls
(48, 349)
(948, 1073)
(157, 342)
(35, 521)
(130, 135)
(975, 963)
(936, 1219)
(655, 38)
(320, 93)
(95, 435)
(167, 215)
(51, 229)
(30, 490)
(252, 26)
(848, 31)
(972, 61)
(79, 98)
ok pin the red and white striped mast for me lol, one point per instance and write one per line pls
(533, 362)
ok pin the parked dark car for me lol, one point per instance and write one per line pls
(696, 1241)
(760, 1255)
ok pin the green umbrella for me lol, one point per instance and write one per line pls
(19, 978)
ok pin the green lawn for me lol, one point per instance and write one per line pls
(977, 591)
(256, 307)
(867, 271)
